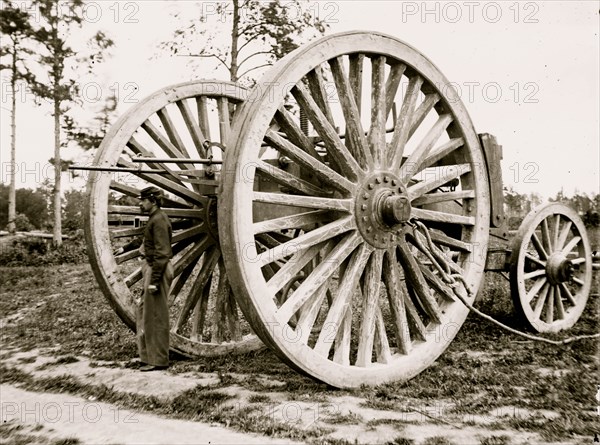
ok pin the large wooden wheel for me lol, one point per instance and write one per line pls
(347, 143)
(185, 121)
(551, 268)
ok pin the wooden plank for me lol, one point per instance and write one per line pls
(133, 277)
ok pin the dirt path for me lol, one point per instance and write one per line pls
(64, 416)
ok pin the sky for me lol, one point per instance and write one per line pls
(528, 73)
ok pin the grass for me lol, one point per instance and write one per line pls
(484, 368)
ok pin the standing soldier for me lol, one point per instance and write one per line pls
(153, 318)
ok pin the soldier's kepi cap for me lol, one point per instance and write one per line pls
(149, 192)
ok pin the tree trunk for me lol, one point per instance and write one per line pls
(57, 238)
(235, 36)
(12, 192)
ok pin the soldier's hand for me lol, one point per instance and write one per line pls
(153, 288)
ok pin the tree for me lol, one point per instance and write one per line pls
(89, 137)
(73, 211)
(58, 84)
(14, 23)
(31, 204)
(259, 33)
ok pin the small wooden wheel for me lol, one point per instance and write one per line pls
(551, 268)
(353, 139)
(182, 121)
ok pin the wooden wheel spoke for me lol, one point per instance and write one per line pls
(180, 280)
(537, 286)
(295, 134)
(172, 133)
(534, 274)
(539, 305)
(356, 62)
(297, 221)
(318, 277)
(164, 143)
(578, 281)
(535, 260)
(342, 300)
(174, 213)
(371, 285)
(126, 256)
(122, 233)
(201, 311)
(578, 261)
(446, 175)
(396, 299)
(422, 111)
(355, 135)
(341, 205)
(135, 193)
(437, 284)
(556, 232)
(191, 255)
(445, 240)
(225, 313)
(560, 309)
(306, 240)
(310, 162)
(212, 256)
(550, 306)
(335, 147)
(564, 233)
(440, 153)
(133, 277)
(391, 85)
(404, 122)
(202, 107)
(415, 159)
(381, 343)
(448, 218)
(418, 283)
(567, 294)
(571, 245)
(343, 338)
(432, 198)
(316, 84)
(287, 179)
(309, 313)
(139, 150)
(538, 246)
(546, 236)
(193, 128)
(377, 130)
(293, 267)
(224, 118)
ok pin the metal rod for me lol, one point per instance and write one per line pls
(177, 160)
(118, 169)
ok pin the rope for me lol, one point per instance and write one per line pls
(452, 280)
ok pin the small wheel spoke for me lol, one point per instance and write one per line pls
(422, 111)
(546, 237)
(418, 283)
(336, 148)
(297, 221)
(415, 159)
(560, 309)
(578, 281)
(449, 218)
(342, 300)
(535, 260)
(193, 128)
(537, 286)
(556, 232)
(564, 235)
(539, 305)
(172, 133)
(355, 135)
(133, 277)
(212, 256)
(567, 294)
(550, 306)
(318, 277)
(578, 261)
(432, 198)
(391, 86)
(571, 245)
(342, 205)
(404, 122)
(275, 174)
(538, 246)
(377, 131)
(371, 285)
(316, 167)
(441, 152)
(535, 273)
(391, 279)
(224, 118)
(420, 188)
(202, 107)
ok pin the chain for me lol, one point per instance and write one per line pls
(444, 267)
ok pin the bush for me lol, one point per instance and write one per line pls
(30, 251)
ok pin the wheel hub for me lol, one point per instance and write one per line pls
(382, 209)
(559, 268)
